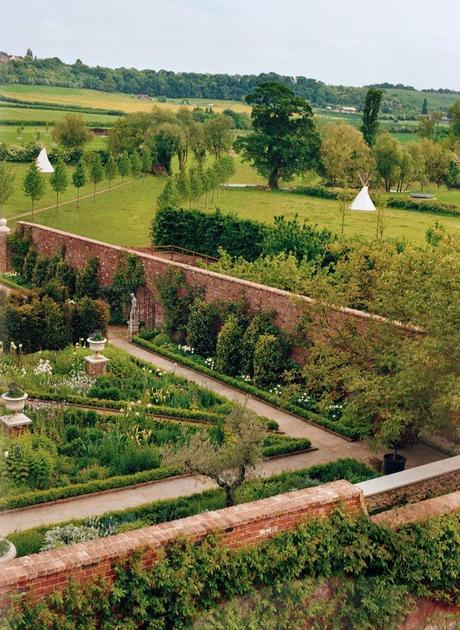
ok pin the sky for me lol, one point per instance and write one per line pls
(415, 42)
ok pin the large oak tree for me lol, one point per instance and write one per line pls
(284, 141)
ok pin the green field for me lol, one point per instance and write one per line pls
(124, 216)
(107, 100)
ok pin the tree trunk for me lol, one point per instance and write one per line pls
(229, 496)
(94, 192)
(78, 197)
(273, 179)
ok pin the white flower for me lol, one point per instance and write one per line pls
(5, 454)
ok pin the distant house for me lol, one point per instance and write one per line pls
(348, 110)
(4, 58)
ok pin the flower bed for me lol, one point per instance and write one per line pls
(173, 352)
(32, 540)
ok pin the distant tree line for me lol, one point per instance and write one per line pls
(164, 83)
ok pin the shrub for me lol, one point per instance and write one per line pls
(30, 462)
(176, 297)
(87, 282)
(260, 324)
(89, 315)
(228, 347)
(136, 459)
(202, 327)
(18, 247)
(431, 207)
(161, 339)
(316, 191)
(268, 360)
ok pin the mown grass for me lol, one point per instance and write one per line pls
(124, 216)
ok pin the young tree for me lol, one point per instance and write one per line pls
(196, 185)
(110, 169)
(183, 185)
(344, 154)
(7, 177)
(96, 171)
(344, 210)
(370, 115)
(429, 125)
(34, 184)
(228, 463)
(454, 112)
(79, 179)
(218, 134)
(59, 180)
(72, 132)
(124, 165)
(424, 111)
(387, 154)
(169, 197)
(284, 141)
(146, 163)
(136, 164)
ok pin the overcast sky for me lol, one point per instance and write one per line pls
(416, 42)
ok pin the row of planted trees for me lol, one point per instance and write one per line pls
(91, 168)
(197, 185)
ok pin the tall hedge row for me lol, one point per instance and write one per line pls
(205, 232)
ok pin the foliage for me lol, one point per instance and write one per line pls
(431, 207)
(128, 278)
(95, 170)
(176, 297)
(34, 184)
(268, 360)
(228, 347)
(79, 179)
(422, 559)
(72, 132)
(261, 324)
(371, 110)
(87, 283)
(269, 397)
(290, 236)
(58, 180)
(7, 177)
(124, 165)
(344, 154)
(226, 463)
(283, 141)
(203, 327)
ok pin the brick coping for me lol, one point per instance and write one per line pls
(301, 504)
(240, 281)
(408, 477)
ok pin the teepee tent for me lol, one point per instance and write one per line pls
(362, 201)
(43, 164)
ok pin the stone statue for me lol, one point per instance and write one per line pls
(133, 323)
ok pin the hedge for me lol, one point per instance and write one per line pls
(272, 399)
(168, 412)
(316, 191)
(75, 490)
(282, 445)
(205, 232)
(8, 101)
(30, 540)
(443, 209)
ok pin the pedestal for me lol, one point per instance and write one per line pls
(15, 424)
(96, 365)
(4, 231)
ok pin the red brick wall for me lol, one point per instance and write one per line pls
(288, 307)
(250, 523)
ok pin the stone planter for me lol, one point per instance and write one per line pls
(97, 346)
(15, 405)
(10, 553)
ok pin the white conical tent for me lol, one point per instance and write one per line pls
(362, 201)
(43, 164)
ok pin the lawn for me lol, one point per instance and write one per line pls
(51, 115)
(124, 217)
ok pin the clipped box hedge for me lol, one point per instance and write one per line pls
(309, 416)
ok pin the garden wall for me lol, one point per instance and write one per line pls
(415, 484)
(245, 524)
(289, 308)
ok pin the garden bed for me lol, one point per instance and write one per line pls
(73, 452)
(31, 540)
(172, 351)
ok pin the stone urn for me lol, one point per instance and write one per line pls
(97, 345)
(13, 403)
(9, 550)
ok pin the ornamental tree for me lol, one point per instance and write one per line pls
(59, 180)
(96, 171)
(284, 141)
(34, 184)
(6, 184)
(371, 114)
(79, 179)
(110, 169)
(227, 463)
